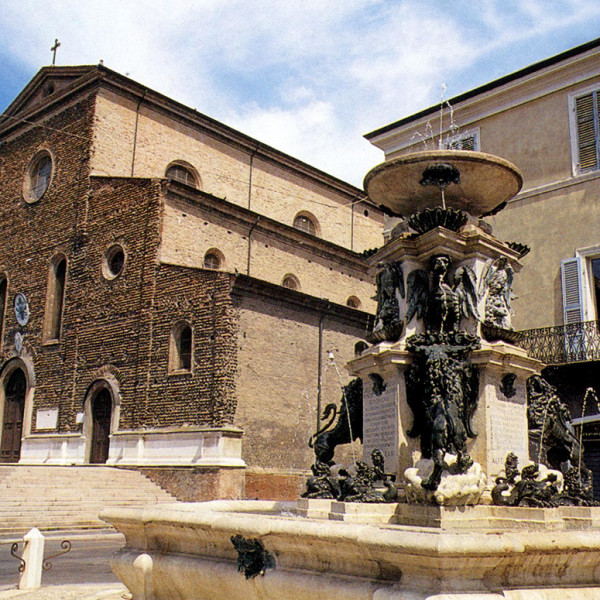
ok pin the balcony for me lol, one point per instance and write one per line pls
(563, 344)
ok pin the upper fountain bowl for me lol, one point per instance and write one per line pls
(486, 181)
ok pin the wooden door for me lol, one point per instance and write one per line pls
(101, 416)
(12, 423)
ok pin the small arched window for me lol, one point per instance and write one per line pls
(214, 259)
(307, 223)
(55, 298)
(3, 296)
(181, 348)
(291, 282)
(182, 174)
(38, 177)
(353, 302)
(359, 348)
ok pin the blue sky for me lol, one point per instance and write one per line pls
(309, 77)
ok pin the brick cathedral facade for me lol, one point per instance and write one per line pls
(170, 289)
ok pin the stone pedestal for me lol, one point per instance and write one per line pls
(386, 415)
(500, 420)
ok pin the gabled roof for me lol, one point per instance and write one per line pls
(548, 62)
(53, 86)
(47, 82)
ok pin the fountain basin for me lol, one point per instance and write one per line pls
(184, 551)
(485, 182)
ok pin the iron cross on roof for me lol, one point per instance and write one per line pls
(53, 50)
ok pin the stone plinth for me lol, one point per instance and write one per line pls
(500, 420)
(467, 553)
(386, 415)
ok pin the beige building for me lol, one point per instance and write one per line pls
(546, 120)
(170, 289)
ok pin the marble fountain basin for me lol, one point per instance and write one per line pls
(329, 550)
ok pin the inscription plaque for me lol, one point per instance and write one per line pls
(508, 429)
(380, 426)
(46, 419)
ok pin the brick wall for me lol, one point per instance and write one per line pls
(206, 395)
(191, 228)
(35, 233)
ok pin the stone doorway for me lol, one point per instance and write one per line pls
(101, 406)
(12, 421)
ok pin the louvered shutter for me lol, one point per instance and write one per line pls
(572, 292)
(586, 113)
(468, 142)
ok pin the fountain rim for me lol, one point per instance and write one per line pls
(474, 197)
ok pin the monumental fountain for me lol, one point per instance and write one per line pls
(471, 485)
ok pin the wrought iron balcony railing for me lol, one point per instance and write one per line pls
(561, 344)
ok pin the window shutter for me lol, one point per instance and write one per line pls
(586, 111)
(468, 141)
(572, 292)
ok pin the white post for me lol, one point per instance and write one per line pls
(143, 569)
(33, 555)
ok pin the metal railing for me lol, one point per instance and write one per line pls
(562, 344)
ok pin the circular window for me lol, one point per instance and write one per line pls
(291, 283)
(213, 260)
(38, 177)
(114, 261)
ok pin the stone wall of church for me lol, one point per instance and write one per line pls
(33, 234)
(191, 229)
(112, 316)
(278, 383)
(141, 141)
(205, 395)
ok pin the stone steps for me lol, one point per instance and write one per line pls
(56, 497)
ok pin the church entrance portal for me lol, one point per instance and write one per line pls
(12, 422)
(101, 418)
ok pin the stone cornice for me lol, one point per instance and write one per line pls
(379, 357)
(469, 243)
(257, 223)
(245, 286)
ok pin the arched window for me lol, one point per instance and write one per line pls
(307, 223)
(214, 259)
(3, 296)
(353, 302)
(359, 348)
(181, 348)
(291, 282)
(182, 174)
(38, 177)
(55, 298)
